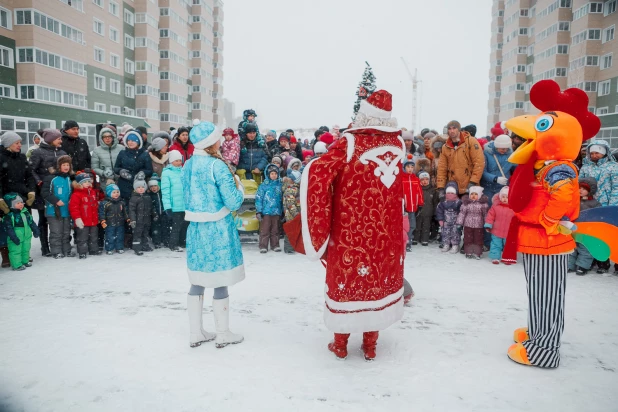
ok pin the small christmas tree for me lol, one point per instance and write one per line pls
(365, 87)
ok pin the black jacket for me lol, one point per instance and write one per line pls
(113, 211)
(15, 174)
(140, 209)
(157, 204)
(78, 150)
(42, 159)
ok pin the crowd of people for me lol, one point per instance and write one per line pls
(127, 192)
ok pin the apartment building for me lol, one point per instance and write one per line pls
(155, 63)
(570, 41)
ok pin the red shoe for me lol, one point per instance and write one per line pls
(370, 340)
(340, 345)
(407, 299)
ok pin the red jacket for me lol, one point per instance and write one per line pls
(186, 153)
(412, 192)
(499, 217)
(84, 205)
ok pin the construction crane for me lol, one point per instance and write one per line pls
(415, 83)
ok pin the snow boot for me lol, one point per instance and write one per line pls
(495, 262)
(221, 310)
(517, 353)
(370, 340)
(19, 269)
(197, 334)
(520, 335)
(455, 250)
(339, 346)
(4, 251)
(446, 249)
(581, 271)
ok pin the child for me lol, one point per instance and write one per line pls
(447, 213)
(291, 203)
(497, 223)
(425, 215)
(173, 201)
(140, 213)
(230, 148)
(412, 197)
(56, 192)
(293, 165)
(157, 229)
(580, 261)
(19, 227)
(472, 219)
(83, 207)
(268, 202)
(113, 214)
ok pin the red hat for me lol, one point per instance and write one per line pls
(327, 138)
(379, 104)
(293, 139)
(229, 131)
(497, 130)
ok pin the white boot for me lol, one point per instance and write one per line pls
(455, 250)
(446, 249)
(221, 309)
(197, 334)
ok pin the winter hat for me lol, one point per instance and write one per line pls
(502, 142)
(133, 136)
(592, 148)
(320, 147)
(64, 159)
(451, 189)
(482, 141)
(173, 134)
(429, 135)
(504, 191)
(379, 105)
(139, 183)
(293, 139)
(83, 178)
(162, 135)
(229, 132)
(423, 175)
(107, 130)
(476, 189)
(12, 199)
(50, 135)
(271, 133)
(278, 158)
(141, 130)
(8, 138)
(295, 175)
(158, 143)
(110, 188)
(438, 145)
(251, 127)
(407, 135)
(471, 128)
(454, 123)
(204, 135)
(327, 138)
(69, 124)
(497, 130)
(284, 136)
(408, 161)
(174, 155)
(272, 168)
(153, 182)
(125, 128)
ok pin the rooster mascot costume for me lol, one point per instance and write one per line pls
(351, 213)
(545, 197)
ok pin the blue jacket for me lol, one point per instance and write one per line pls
(269, 197)
(171, 189)
(492, 171)
(57, 187)
(605, 172)
(252, 155)
(134, 161)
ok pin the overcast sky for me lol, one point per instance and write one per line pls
(298, 63)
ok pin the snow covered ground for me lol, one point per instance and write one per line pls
(111, 334)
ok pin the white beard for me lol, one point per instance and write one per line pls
(362, 120)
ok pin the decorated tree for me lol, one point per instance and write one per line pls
(365, 87)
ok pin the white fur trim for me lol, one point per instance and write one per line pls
(372, 111)
(368, 321)
(378, 128)
(209, 141)
(206, 216)
(349, 137)
(310, 252)
(199, 152)
(385, 171)
(361, 304)
(217, 279)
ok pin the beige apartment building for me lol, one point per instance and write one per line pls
(570, 41)
(155, 63)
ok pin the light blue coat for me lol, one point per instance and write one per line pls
(171, 189)
(214, 254)
(605, 172)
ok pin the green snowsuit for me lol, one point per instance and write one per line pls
(19, 227)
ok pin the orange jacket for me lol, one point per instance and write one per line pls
(463, 164)
(554, 197)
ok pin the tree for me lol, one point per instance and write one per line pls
(365, 87)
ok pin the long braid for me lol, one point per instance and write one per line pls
(215, 153)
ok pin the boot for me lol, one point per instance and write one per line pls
(339, 346)
(128, 240)
(4, 251)
(197, 334)
(370, 340)
(221, 310)
(45, 249)
(520, 335)
(517, 353)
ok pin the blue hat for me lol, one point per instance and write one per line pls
(134, 136)
(110, 188)
(83, 178)
(204, 135)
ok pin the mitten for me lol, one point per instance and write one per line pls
(258, 216)
(441, 194)
(79, 223)
(566, 227)
(133, 224)
(125, 174)
(502, 180)
(140, 176)
(30, 200)
(108, 173)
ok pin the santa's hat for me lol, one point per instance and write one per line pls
(379, 104)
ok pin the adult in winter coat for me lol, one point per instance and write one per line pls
(104, 156)
(497, 166)
(183, 144)
(436, 145)
(600, 165)
(248, 118)
(42, 161)
(214, 255)
(461, 160)
(253, 158)
(15, 173)
(130, 162)
(37, 141)
(75, 146)
(295, 149)
(159, 155)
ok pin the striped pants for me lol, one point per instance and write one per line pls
(546, 282)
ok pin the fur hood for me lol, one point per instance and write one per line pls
(422, 165)
(438, 138)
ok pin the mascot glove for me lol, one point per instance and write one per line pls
(566, 227)
(30, 200)
(79, 223)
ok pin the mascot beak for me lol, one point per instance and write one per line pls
(524, 127)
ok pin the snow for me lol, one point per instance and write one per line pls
(111, 333)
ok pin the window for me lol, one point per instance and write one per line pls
(195, 54)
(114, 109)
(591, 109)
(146, 18)
(99, 55)
(128, 111)
(6, 57)
(563, 49)
(592, 60)
(196, 19)
(602, 111)
(100, 107)
(196, 71)
(523, 31)
(98, 3)
(113, 34)
(610, 7)
(26, 92)
(34, 55)
(605, 87)
(114, 86)
(164, 54)
(5, 19)
(146, 67)
(129, 66)
(164, 33)
(561, 71)
(129, 42)
(523, 12)
(608, 34)
(7, 91)
(596, 7)
(114, 60)
(594, 34)
(99, 82)
(590, 86)
(113, 8)
(521, 68)
(129, 91)
(29, 16)
(606, 61)
(196, 89)
(129, 18)
(98, 27)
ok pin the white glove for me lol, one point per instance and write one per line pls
(79, 223)
(502, 180)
